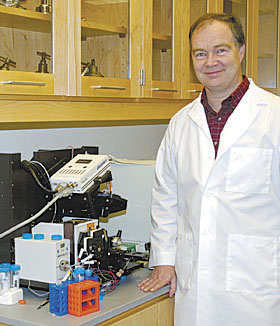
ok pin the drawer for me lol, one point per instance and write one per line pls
(18, 82)
(162, 89)
(105, 87)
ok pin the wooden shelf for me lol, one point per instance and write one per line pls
(162, 41)
(90, 29)
(38, 112)
(104, 2)
(266, 11)
(263, 10)
(240, 2)
(265, 55)
(25, 19)
(161, 37)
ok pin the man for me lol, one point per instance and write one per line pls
(216, 199)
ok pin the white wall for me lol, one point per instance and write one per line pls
(134, 183)
(131, 182)
(133, 142)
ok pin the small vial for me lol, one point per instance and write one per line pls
(88, 273)
(4, 278)
(15, 270)
(79, 274)
(76, 274)
(82, 274)
(8, 265)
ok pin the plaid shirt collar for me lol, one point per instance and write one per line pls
(231, 101)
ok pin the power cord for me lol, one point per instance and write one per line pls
(60, 192)
(27, 166)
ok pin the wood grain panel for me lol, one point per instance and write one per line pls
(252, 39)
(27, 77)
(215, 6)
(105, 87)
(157, 312)
(25, 19)
(114, 14)
(166, 312)
(21, 113)
(136, 55)
(66, 47)
(22, 34)
(111, 53)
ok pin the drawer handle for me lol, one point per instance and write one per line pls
(109, 87)
(11, 82)
(193, 91)
(164, 90)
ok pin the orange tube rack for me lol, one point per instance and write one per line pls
(83, 298)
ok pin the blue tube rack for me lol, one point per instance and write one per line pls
(59, 299)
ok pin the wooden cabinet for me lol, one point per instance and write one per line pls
(25, 39)
(158, 312)
(137, 51)
(164, 50)
(105, 47)
(190, 86)
(134, 50)
(260, 19)
(268, 45)
(240, 9)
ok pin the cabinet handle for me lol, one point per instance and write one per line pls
(109, 87)
(193, 91)
(164, 90)
(11, 82)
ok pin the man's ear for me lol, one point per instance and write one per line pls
(242, 52)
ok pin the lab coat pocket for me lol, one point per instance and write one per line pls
(184, 259)
(249, 170)
(251, 264)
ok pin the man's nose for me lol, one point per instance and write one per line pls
(211, 59)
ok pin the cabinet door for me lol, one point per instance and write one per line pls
(190, 84)
(105, 46)
(157, 312)
(26, 47)
(197, 8)
(268, 45)
(239, 9)
(146, 317)
(165, 48)
(166, 312)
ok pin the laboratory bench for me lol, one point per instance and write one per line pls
(126, 305)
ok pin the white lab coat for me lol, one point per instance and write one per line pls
(218, 220)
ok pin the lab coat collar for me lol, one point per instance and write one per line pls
(239, 121)
(242, 118)
(197, 114)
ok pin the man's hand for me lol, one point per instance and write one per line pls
(161, 275)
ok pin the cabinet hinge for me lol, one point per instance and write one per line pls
(142, 77)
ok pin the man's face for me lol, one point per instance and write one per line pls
(216, 57)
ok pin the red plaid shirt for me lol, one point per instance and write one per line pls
(216, 121)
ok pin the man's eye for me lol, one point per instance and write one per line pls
(221, 51)
(199, 54)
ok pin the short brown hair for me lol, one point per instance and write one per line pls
(233, 23)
